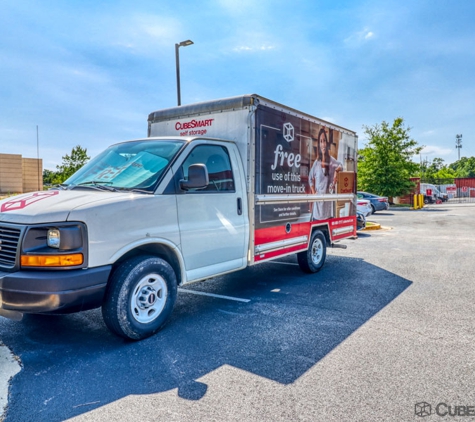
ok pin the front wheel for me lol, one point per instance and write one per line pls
(312, 260)
(140, 297)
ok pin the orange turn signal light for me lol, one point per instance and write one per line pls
(52, 260)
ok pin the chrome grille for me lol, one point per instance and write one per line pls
(9, 241)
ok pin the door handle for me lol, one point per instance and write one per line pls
(239, 206)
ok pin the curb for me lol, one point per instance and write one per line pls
(374, 226)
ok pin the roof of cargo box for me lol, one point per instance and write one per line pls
(232, 103)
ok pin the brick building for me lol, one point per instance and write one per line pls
(19, 175)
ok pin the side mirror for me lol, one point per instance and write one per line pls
(197, 177)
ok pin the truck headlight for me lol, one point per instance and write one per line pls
(60, 245)
(53, 238)
(66, 238)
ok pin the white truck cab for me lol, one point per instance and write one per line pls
(432, 193)
(225, 185)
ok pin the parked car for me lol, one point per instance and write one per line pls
(364, 207)
(378, 203)
(360, 221)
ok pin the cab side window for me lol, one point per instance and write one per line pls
(217, 162)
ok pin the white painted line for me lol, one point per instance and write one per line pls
(8, 368)
(194, 292)
(282, 263)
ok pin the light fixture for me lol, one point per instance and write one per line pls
(177, 57)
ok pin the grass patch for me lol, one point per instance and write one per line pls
(7, 195)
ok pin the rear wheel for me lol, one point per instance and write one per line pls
(312, 260)
(140, 297)
(373, 209)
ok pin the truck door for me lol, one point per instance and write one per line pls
(213, 225)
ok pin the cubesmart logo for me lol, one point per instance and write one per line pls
(423, 409)
(289, 132)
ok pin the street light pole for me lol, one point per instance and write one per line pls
(38, 155)
(177, 57)
(458, 143)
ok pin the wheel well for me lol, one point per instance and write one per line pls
(155, 249)
(324, 230)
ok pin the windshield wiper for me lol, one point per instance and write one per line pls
(96, 184)
(139, 190)
(63, 186)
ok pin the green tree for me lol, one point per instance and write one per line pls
(48, 177)
(446, 173)
(71, 163)
(385, 164)
(435, 170)
(465, 167)
(436, 165)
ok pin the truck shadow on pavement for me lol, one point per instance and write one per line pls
(72, 364)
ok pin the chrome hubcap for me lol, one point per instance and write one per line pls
(149, 298)
(317, 251)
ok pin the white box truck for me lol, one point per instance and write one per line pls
(214, 188)
(432, 194)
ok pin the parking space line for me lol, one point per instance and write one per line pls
(282, 263)
(194, 292)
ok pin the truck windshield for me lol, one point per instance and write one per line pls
(129, 165)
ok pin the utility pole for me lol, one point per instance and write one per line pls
(458, 143)
(38, 155)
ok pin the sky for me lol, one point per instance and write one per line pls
(90, 72)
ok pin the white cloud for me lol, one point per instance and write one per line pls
(436, 151)
(246, 48)
(139, 32)
(243, 48)
(360, 37)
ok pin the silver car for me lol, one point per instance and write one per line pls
(364, 207)
(378, 203)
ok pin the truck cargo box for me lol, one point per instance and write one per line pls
(292, 185)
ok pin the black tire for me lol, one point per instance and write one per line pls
(373, 210)
(140, 297)
(312, 260)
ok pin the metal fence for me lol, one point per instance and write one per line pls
(458, 190)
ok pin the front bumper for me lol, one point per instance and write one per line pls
(52, 291)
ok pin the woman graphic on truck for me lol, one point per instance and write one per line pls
(323, 177)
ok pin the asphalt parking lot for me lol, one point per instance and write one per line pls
(383, 331)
